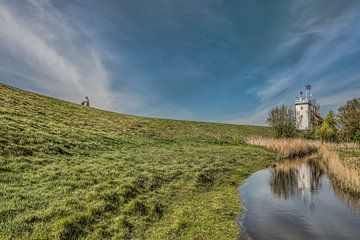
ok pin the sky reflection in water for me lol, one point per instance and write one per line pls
(296, 200)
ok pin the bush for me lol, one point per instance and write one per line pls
(309, 134)
(283, 120)
(327, 131)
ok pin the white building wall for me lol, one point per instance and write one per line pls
(303, 115)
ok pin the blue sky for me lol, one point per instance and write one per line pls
(209, 60)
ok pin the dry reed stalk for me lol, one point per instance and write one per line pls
(347, 177)
(352, 200)
(288, 148)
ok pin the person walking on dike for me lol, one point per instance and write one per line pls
(86, 102)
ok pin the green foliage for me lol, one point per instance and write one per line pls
(331, 119)
(283, 120)
(309, 133)
(70, 172)
(327, 131)
(349, 120)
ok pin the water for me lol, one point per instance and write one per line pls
(296, 200)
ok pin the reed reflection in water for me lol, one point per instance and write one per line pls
(297, 200)
(302, 178)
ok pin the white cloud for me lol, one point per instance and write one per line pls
(51, 54)
(338, 99)
(274, 86)
(324, 41)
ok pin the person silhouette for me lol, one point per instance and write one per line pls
(86, 102)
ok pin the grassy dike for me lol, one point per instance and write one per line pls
(70, 172)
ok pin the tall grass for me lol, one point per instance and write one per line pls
(347, 178)
(352, 200)
(349, 153)
(288, 148)
(341, 169)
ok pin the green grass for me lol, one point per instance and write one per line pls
(72, 172)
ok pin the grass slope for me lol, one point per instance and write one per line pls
(72, 172)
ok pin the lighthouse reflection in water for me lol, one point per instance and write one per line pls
(296, 178)
(297, 200)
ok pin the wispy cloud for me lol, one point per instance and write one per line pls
(51, 53)
(274, 86)
(326, 39)
(209, 61)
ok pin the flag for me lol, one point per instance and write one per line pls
(307, 86)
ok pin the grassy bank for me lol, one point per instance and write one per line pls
(349, 154)
(341, 160)
(69, 172)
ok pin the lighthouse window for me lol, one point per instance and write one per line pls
(301, 108)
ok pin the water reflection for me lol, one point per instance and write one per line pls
(352, 201)
(295, 177)
(297, 200)
(301, 178)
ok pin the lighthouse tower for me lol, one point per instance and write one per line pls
(303, 109)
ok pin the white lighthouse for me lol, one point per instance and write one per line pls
(303, 109)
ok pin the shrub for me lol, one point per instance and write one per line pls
(309, 134)
(283, 120)
(327, 131)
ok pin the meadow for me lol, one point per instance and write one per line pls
(73, 172)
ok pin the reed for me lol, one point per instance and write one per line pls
(347, 177)
(342, 168)
(353, 201)
(288, 148)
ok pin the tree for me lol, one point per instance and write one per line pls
(283, 120)
(316, 119)
(331, 119)
(349, 120)
(327, 131)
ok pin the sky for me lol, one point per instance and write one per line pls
(205, 60)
